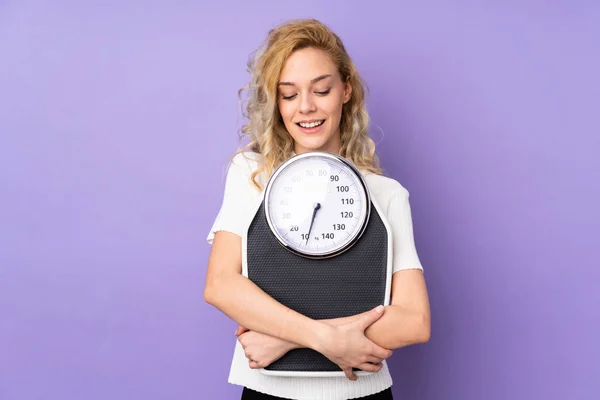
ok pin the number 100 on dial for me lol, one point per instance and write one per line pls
(317, 204)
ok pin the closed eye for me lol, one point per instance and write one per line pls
(290, 97)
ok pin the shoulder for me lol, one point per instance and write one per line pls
(384, 187)
(247, 161)
(241, 168)
(243, 164)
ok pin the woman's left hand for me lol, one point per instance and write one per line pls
(262, 350)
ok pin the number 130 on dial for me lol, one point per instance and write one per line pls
(317, 204)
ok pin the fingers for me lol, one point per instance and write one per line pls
(258, 364)
(240, 329)
(374, 360)
(368, 367)
(380, 352)
(371, 317)
(349, 374)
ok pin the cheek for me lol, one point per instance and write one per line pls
(333, 106)
(286, 110)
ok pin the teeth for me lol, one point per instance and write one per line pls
(310, 124)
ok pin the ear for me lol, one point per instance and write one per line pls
(347, 91)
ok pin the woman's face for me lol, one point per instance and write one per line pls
(310, 99)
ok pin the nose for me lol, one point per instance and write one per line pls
(307, 104)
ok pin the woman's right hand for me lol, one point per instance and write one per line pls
(348, 347)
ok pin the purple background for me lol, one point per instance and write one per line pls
(116, 123)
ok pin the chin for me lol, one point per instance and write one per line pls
(312, 142)
(311, 145)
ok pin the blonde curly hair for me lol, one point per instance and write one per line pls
(265, 129)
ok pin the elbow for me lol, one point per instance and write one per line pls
(219, 289)
(209, 296)
(417, 331)
(424, 328)
(211, 291)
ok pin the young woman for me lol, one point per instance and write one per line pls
(306, 95)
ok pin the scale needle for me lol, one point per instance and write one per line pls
(316, 207)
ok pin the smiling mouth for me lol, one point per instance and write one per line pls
(312, 124)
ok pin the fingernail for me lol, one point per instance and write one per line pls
(379, 309)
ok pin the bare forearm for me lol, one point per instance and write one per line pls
(244, 302)
(331, 322)
(398, 327)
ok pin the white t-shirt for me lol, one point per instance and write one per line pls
(240, 202)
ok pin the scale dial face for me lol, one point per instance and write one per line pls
(317, 204)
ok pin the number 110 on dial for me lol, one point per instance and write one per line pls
(317, 204)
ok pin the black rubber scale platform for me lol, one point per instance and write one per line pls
(348, 284)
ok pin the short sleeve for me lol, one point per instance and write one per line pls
(235, 207)
(399, 217)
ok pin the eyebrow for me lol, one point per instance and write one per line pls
(315, 80)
